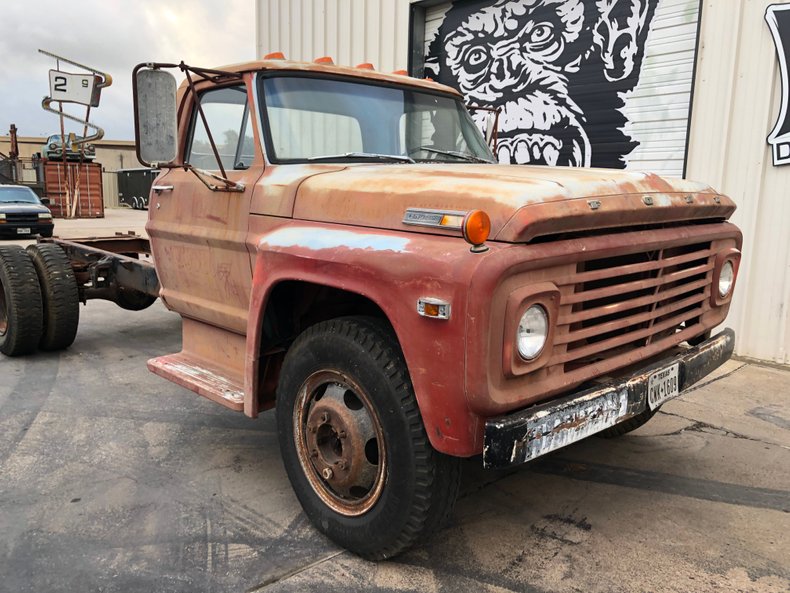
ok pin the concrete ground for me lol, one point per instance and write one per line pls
(112, 479)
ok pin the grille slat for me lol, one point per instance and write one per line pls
(630, 269)
(629, 304)
(622, 304)
(607, 327)
(624, 339)
(637, 285)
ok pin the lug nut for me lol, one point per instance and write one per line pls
(341, 434)
(311, 428)
(324, 417)
(314, 453)
(327, 473)
(341, 464)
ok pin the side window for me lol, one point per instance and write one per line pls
(228, 117)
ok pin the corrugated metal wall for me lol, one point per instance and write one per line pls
(736, 104)
(351, 31)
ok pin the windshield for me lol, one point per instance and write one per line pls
(311, 118)
(18, 194)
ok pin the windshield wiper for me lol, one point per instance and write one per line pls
(363, 155)
(459, 155)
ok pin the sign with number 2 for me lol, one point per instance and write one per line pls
(73, 88)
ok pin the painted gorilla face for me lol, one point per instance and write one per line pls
(543, 62)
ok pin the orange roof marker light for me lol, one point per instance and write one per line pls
(324, 60)
(275, 55)
(400, 72)
(365, 66)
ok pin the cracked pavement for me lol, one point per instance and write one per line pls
(116, 480)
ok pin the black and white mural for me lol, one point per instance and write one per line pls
(560, 71)
(778, 18)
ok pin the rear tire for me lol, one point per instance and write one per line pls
(21, 309)
(353, 441)
(60, 296)
(627, 426)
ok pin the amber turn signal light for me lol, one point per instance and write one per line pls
(276, 55)
(324, 60)
(476, 227)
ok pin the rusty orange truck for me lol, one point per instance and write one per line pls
(343, 247)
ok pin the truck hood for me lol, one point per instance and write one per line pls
(523, 202)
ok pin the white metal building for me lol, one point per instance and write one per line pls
(699, 83)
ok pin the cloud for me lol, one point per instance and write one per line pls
(112, 36)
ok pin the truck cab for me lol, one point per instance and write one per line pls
(342, 245)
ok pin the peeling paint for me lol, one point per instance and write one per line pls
(310, 238)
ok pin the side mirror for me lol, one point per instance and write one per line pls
(155, 128)
(45, 201)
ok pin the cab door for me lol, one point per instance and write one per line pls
(198, 235)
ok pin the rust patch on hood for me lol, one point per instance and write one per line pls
(522, 201)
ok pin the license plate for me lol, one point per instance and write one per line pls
(663, 385)
(23, 231)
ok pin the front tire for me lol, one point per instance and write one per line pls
(353, 442)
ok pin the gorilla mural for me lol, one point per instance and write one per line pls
(557, 69)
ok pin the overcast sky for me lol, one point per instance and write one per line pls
(112, 36)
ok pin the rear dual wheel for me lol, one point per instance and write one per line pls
(60, 296)
(39, 299)
(353, 442)
(21, 307)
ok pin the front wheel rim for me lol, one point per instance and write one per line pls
(339, 442)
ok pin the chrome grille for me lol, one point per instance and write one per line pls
(617, 304)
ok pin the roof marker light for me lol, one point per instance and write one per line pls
(365, 66)
(324, 60)
(275, 55)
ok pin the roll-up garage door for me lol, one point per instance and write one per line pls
(578, 83)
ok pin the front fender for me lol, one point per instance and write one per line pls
(392, 270)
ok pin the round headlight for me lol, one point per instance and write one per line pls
(726, 277)
(533, 329)
(52, 145)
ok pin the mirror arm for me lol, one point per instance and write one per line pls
(493, 138)
(228, 185)
(185, 70)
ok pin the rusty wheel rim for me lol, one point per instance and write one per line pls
(3, 312)
(340, 443)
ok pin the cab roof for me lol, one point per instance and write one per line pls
(326, 68)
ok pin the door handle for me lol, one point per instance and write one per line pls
(160, 188)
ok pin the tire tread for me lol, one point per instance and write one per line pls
(23, 302)
(60, 296)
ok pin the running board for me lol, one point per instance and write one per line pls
(188, 372)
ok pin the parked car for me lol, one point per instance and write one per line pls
(53, 148)
(23, 213)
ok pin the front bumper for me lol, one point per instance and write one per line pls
(11, 228)
(517, 438)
